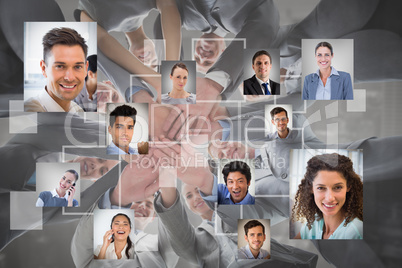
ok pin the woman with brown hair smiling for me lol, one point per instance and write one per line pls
(330, 198)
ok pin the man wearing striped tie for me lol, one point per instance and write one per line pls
(260, 84)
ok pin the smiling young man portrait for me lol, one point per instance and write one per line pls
(237, 176)
(65, 67)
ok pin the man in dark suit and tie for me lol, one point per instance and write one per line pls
(260, 84)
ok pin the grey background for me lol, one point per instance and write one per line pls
(248, 70)
(166, 68)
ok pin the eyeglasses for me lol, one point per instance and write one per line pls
(283, 119)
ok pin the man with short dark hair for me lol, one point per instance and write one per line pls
(237, 176)
(255, 237)
(121, 127)
(87, 98)
(65, 67)
(280, 119)
(260, 84)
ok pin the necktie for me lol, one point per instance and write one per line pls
(266, 89)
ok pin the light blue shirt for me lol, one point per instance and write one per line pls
(353, 230)
(274, 135)
(245, 253)
(324, 92)
(113, 149)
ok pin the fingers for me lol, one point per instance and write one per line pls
(152, 188)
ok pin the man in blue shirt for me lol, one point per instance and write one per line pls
(237, 178)
(255, 237)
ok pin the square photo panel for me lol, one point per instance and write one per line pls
(327, 69)
(60, 66)
(58, 184)
(254, 239)
(261, 73)
(326, 192)
(178, 82)
(236, 182)
(127, 131)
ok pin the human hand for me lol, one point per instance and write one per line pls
(194, 116)
(138, 180)
(70, 198)
(107, 238)
(192, 166)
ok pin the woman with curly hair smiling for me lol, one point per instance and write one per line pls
(330, 199)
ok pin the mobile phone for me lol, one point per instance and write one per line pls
(70, 188)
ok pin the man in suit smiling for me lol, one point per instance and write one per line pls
(260, 84)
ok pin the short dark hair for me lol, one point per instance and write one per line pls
(75, 173)
(123, 110)
(278, 110)
(179, 65)
(324, 44)
(234, 166)
(62, 36)
(252, 224)
(259, 53)
(92, 64)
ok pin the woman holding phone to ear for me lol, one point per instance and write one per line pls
(116, 241)
(63, 195)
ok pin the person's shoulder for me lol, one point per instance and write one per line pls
(75, 203)
(45, 194)
(241, 253)
(250, 80)
(354, 229)
(33, 105)
(344, 75)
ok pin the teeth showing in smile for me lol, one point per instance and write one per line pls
(120, 232)
(329, 206)
(68, 86)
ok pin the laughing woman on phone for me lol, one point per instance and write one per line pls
(116, 241)
(63, 195)
(330, 199)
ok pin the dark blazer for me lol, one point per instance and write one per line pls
(341, 86)
(252, 87)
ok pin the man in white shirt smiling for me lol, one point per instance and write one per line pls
(65, 67)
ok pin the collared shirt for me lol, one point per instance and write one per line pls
(113, 149)
(224, 197)
(85, 102)
(52, 199)
(245, 253)
(275, 136)
(44, 103)
(324, 92)
(262, 87)
(353, 230)
(111, 254)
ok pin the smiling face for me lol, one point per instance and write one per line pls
(207, 51)
(122, 132)
(94, 168)
(65, 69)
(255, 238)
(236, 182)
(323, 57)
(179, 79)
(121, 228)
(65, 183)
(262, 67)
(144, 212)
(329, 189)
(280, 122)
(194, 200)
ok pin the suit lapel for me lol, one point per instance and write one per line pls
(335, 83)
(256, 86)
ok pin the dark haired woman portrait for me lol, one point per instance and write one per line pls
(116, 241)
(330, 199)
(178, 95)
(327, 83)
(63, 194)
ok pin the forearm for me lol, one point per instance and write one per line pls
(168, 196)
(120, 55)
(171, 28)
